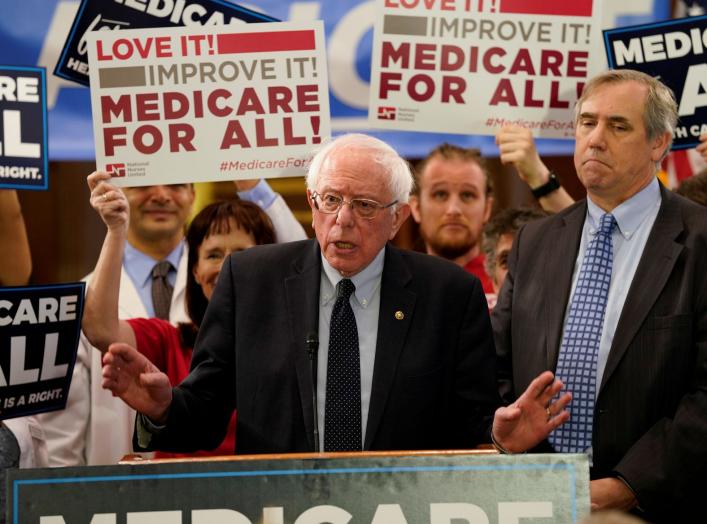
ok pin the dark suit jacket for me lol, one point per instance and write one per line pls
(434, 378)
(650, 419)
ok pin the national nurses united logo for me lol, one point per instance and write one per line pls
(386, 113)
(115, 169)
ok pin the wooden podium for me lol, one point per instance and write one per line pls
(436, 487)
(484, 449)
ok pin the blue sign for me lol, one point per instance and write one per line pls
(673, 51)
(24, 159)
(40, 328)
(33, 32)
(101, 15)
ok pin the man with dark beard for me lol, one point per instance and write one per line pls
(452, 202)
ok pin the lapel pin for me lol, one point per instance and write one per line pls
(399, 315)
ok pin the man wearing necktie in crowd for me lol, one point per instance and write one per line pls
(610, 294)
(96, 428)
(403, 343)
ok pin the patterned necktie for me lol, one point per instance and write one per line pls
(342, 408)
(577, 362)
(161, 289)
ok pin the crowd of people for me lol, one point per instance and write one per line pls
(573, 327)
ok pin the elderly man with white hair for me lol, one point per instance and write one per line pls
(395, 346)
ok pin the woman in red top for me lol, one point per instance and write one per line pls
(218, 230)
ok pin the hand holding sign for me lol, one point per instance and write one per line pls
(516, 146)
(128, 374)
(209, 103)
(468, 67)
(108, 201)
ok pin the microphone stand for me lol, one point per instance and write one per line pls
(312, 343)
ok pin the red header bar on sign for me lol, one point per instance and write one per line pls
(265, 42)
(548, 7)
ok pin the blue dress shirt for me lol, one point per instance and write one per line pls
(139, 266)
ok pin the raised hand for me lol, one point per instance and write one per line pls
(128, 374)
(530, 419)
(517, 147)
(108, 200)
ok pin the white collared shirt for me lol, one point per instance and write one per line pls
(138, 266)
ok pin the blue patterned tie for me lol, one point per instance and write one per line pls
(342, 407)
(577, 362)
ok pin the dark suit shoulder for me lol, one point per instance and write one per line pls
(559, 219)
(423, 260)
(694, 215)
(278, 258)
(434, 270)
(682, 221)
(284, 251)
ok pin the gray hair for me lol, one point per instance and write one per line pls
(400, 180)
(661, 111)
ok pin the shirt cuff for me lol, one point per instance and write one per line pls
(501, 449)
(628, 485)
(146, 429)
(262, 194)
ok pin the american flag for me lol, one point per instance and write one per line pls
(679, 165)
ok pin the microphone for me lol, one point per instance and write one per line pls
(312, 345)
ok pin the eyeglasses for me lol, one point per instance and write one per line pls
(361, 207)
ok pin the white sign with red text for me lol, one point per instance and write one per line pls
(178, 105)
(472, 66)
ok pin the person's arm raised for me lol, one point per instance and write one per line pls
(516, 146)
(101, 323)
(287, 227)
(532, 417)
(16, 261)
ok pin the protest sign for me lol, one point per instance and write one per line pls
(179, 105)
(97, 15)
(40, 334)
(472, 66)
(448, 488)
(673, 51)
(348, 25)
(24, 159)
